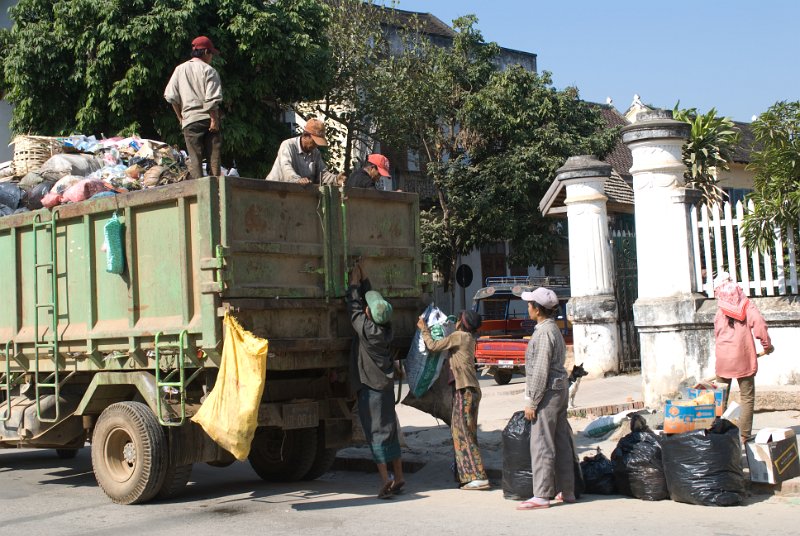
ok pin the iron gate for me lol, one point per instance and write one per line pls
(625, 292)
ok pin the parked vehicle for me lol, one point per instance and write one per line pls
(124, 361)
(503, 336)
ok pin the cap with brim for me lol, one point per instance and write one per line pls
(381, 162)
(316, 129)
(543, 296)
(380, 309)
(204, 43)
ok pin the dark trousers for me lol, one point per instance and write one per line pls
(200, 142)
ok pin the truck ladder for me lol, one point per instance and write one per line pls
(169, 382)
(51, 306)
(9, 380)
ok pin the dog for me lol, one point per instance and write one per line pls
(575, 376)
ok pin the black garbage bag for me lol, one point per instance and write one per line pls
(598, 474)
(437, 401)
(34, 201)
(6, 211)
(705, 466)
(11, 195)
(517, 470)
(638, 467)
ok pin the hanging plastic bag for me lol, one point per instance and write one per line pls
(114, 245)
(638, 467)
(705, 466)
(230, 413)
(598, 474)
(423, 367)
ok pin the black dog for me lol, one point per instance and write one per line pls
(575, 376)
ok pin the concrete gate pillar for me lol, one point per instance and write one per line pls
(665, 309)
(592, 307)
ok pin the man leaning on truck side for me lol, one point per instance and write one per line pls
(300, 161)
(195, 92)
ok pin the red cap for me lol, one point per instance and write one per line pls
(381, 162)
(204, 43)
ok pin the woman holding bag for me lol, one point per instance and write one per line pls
(466, 397)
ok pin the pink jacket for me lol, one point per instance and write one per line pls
(735, 348)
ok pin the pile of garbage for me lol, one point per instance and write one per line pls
(85, 168)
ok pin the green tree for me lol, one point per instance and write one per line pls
(708, 151)
(100, 67)
(776, 166)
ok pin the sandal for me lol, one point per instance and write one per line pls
(533, 504)
(397, 487)
(568, 500)
(386, 490)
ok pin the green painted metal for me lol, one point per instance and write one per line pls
(169, 382)
(51, 306)
(7, 383)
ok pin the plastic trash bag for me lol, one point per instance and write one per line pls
(423, 367)
(38, 192)
(605, 424)
(598, 474)
(114, 245)
(436, 401)
(11, 195)
(60, 165)
(517, 470)
(83, 190)
(230, 413)
(638, 466)
(705, 466)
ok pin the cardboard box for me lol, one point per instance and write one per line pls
(772, 456)
(685, 416)
(719, 396)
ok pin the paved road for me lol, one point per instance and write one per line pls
(40, 494)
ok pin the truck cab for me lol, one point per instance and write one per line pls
(506, 329)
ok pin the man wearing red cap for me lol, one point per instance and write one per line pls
(195, 92)
(300, 161)
(374, 168)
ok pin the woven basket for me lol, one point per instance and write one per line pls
(30, 152)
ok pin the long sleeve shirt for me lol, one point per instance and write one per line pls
(544, 362)
(371, 358)
(293, 164)
(462, 356)
(196, 88)
(735, 348)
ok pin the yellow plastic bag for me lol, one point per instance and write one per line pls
(230, 413)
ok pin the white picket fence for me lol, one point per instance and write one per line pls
(719, 246)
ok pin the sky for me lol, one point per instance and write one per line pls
(737, 56)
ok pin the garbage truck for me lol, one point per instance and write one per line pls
(124, 360)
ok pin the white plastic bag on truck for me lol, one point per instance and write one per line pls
(423, 367)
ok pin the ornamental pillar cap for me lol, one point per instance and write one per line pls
(583, 166)
(655, 125)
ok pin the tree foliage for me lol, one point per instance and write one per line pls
(708, 151)
(776, 167)
(100, 66)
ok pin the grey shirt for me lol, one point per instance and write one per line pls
(544, 362)
(195, 87)
(292, 164)
(371, 357)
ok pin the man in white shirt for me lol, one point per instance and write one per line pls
(300, 161)
(195, 92)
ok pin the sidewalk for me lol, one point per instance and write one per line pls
(426, 440)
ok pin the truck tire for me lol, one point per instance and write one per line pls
(283, 455)
(66, 454)
(502, 377)
(323, 460)
(175, 480)
(129, 453)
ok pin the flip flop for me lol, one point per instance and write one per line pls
(560, 498)
(397, 487)
(386, 490)
(530, 505)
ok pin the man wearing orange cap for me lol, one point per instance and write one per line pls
(374, 168)
(195, 92)
(300, 161)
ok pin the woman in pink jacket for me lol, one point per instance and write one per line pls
(737, 321)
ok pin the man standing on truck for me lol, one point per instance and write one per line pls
(195, 92)
(374, 168)
(300, 161)
(372, 377)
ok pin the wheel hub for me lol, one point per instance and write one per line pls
(129, 453)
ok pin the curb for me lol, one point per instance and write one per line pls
(610, 409)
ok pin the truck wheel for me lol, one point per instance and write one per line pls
(66, 454)
(129, 453)
(175, 481)
(323, 461)
(283, 455)
(502, 377)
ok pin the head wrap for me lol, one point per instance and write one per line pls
(730, 297)
(471, 320)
